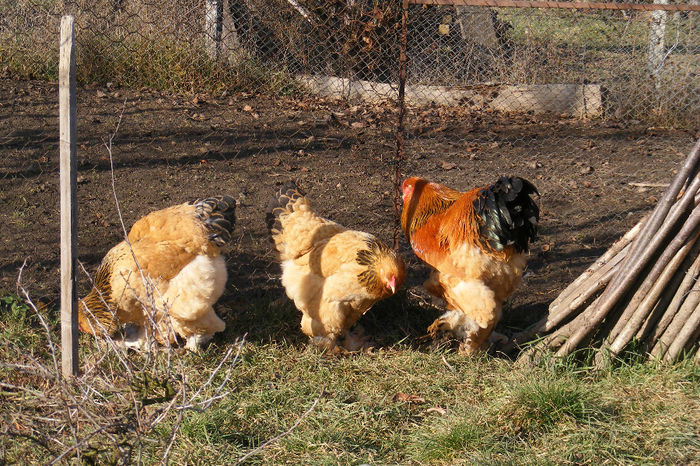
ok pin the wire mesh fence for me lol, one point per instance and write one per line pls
(621, 64)
(560, 96)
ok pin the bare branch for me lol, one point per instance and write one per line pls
(283, 434)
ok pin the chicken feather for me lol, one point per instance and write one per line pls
(333, 275)
(476, 243)
(166, 276)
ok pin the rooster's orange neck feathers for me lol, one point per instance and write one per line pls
(435, 217)
(423, 200)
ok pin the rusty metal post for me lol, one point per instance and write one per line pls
(400, 124)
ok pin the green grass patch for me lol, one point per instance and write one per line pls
(403, 403)
(542, 405)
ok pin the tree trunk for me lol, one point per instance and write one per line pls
(657, 46)
(476, 26)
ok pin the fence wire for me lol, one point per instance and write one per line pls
(567, 91)
(588, 63)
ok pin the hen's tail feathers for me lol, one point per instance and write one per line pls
(508, 213)
(279, 204)
(95, 313)
(218, 215)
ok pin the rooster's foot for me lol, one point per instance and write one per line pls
(439, 327)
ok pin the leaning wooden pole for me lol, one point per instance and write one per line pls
(639, 290)
(67, 130)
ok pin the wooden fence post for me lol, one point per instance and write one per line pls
(67, 130)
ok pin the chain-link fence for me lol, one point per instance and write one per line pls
(577, 100)
(621, 64)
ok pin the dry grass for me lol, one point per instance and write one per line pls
(285, 402)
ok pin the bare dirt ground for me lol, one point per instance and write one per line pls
(172, 148)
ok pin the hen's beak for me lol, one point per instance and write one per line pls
(391, 284)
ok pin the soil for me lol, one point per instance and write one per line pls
(170, 148)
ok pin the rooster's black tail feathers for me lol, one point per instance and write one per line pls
(508, 213)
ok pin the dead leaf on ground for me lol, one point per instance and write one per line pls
(405, 397)
(448, 165)
(437, 409)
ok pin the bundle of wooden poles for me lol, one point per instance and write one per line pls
(644, 289)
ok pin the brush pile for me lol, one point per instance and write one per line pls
(643, 290)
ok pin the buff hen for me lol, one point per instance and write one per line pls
(165, 279)
(334, 275)
(476, 243)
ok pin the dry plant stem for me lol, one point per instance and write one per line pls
(681, 317)
(667, 295)
(285, 433)
(656, 280)
(683, 289)
(64, 385)
(684, 335)
(629, 272)
(79, 407)
(149, 308)
(602, 261)
(660, 213)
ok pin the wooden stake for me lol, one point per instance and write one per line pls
(661, 211)
(679, 320)
(648, 292)
(67, 132)
(597, 282)
(683, 289)
(611, 253)
(632, 267)
(683, 337)
(667, 296)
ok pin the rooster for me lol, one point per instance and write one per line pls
(333, 275)
(476, 244)
(171, 265)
